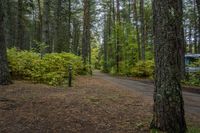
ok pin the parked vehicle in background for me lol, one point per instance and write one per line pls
(192, 63)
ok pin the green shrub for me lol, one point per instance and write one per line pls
(143, 69)
(192, 79)
(52, 69)
(193, 130)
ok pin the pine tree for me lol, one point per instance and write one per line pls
(168, 101)
(4, 71)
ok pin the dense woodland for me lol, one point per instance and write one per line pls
(121, 32)
(138, 38)
(125, 29)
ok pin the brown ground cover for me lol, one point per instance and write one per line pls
(93, 105)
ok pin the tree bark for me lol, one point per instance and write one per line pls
(20, 26)
(45, 27)
(86, 32)
(117, 36)
(8, 39)
(142, 29)
(195, 30)
(168, 101)
(190, 40)
(40, 21)
(76, 35)
(58, 41)
(105, 42)
(69, 47)
(5, 78)
(137, 28)
(113, 47)
(129, 11)
(11, 23)
(198, 9)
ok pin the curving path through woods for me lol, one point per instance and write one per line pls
(191, 100)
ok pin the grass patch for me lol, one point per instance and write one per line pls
(190, 130)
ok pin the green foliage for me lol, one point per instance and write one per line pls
(143, 69)
(154, 131)
(52, 69)
(193, 79)
(39, 47)
(197, 63)
(193, 130)
(95, 58)
(190, 130)
(194, 63)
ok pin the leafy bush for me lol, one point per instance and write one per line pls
(95, 58)
(143, 69)
(52, 69)
(193, 78)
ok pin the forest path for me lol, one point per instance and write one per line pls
(191, 100)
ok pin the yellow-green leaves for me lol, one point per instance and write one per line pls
(143, 69)
(52, 69)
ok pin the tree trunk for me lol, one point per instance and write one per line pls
(113, 47)
(40, 21)
(129, 11)
(8, 39)
(11, 24)
(111, 28)
(168, 101)
(190, 40)
(20, 26)
(110, 20)
(86, 32)
(142, 29)
(45, 27)
(58, 41)
(137, 28)
(105, 42)
(69, 47)
(76, 35)
(4, 71)
(117, 37)
(195, 29)
(182, 46)
(198, 9)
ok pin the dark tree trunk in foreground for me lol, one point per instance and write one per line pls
(168, 101)
(4, 71)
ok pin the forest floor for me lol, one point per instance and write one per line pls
(96, 104)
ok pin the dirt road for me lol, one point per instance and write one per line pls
(192, 100)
